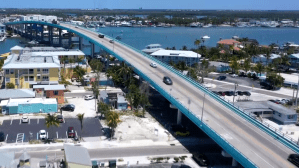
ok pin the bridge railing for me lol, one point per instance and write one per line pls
(270, 130)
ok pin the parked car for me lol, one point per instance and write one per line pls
(217, 93)
(68, 107)
(240, 93)
(60, 118)
(221, 78)
(25, 119)
(234, 75)
(229, 93)
(2, 137)
(246, 93)
(101, 35)
(282, 101)
(274, 101)
(167, 80)
(294, 158)
(42, 134)
(201, 159)
(76, 27)
(111, 41)
(88, 97)
(71, 132)
(154, 65)
(221, 93)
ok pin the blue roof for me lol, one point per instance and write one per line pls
(16, 93)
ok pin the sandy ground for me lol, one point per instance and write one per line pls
(82, 106)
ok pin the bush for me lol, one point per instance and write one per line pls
(159, 159)
(120, 159)
(176, 159)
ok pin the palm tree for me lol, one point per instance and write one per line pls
(51, 121)
(184, 48)
(64, 60)
(197, 43)
(112, 120)
(79, 59)
(80, 118)
(71, 61)
(259, 68)
(124, 70)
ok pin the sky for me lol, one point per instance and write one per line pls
(155, 4)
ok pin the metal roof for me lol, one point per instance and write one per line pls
(16, 93)
(77, 155)
(7, 158)
(49, 87)
(17, 48)
(176, 53)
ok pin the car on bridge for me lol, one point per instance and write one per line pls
(154, 65)
(294, 158)
(167, 80)
(111, 41)
(101, 35)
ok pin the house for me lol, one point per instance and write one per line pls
(270, 110)
(2, 30)
(294, 60)
(76, 156)
(51, 91)
(175, 56)
(115, 98)
(25, 70)
(6, 94)
(219, 66)
(38, 18)
(149, 49)
(229, 42)
(29, 105)
(103, 80)
(263, 59)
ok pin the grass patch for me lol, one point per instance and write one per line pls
(59, 141)
(35, 142)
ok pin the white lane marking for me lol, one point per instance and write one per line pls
(20, 122)
(262, 159)
(57, 134)
(37, 120)
(47, 148)
(6, 138)
(11, 121)
(29, 121)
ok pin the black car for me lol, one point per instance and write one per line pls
(221, 93)
(69, 107)
(201, 159)
(221, 78)
(101, 35)
(229, 93)
(217, 93)
(2, 137)
(294, 158)
(246, 93)
(240, 93)
(167, 80)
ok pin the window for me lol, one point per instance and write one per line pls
(291, 116)
(7, 71)
(279, 114)
(38, 77)
(45, 78)
(31, 78)
(11, 71)
(45, 71)
(55, 92)
(7, 79)
(30, 71)
(38, 70)
(26, 78)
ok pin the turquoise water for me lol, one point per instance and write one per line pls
(179, 36)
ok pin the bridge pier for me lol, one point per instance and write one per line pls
(31, 32)
(42, 33)
(60, 38)
(26, 29)
(234, 161)
(179, 118)
(80, 43)
(70, 40)
(92, 50)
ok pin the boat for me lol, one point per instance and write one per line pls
(193, 25)
(235, 37)
(2, 38)
(167, 26)
(103, 26)
(33, 42)
(118, 37)
(149, 49)
(205, 37)
(225, 25)
(207, 26)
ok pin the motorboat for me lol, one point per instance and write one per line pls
(194, 24)
(207, 26)
(33, 42)
(103, 26)
(235, 37)
(205, 37)
(2, 38)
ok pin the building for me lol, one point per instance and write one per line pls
(76, 156)
(7, 159)
(26, 69)
(115, 98)
(263, 59)
(50, 91)
(38, 18)
(149, 49)
(229, 42)
(6, 94)
(219, 66)
(270, 110)
(176, 56)
(30, 105)
(294, 60)
(2, 30)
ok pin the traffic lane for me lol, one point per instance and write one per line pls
(141, 68)
(91, 128)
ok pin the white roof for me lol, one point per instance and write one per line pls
(15, 102)
(272, 56)
(176, 53)
(16, 48)
(290, 78)
(58, 53)
(154, 45)
(72, 155)
(295, 55)
(49, 87)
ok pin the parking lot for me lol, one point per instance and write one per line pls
(15, 130)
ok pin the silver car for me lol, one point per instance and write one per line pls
(25, 119)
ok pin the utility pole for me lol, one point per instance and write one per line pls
(203, 106)
(297, 92)
(235, 93)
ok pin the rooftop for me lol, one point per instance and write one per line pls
(295, 55)
(228, 42)
(16, 93)
(57, 53)
(16, 102)
(7, 158)
(77, 155)
(251, 106)
(217, 64)
(49, 87)
(280, 108)
(176, 53)
(290, 78)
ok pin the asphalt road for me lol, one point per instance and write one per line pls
(253, 143)
(11, 128)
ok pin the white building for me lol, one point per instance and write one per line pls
(263, 59)
(2, 30)
(152, 48)
(189, 57)
(294, 59)
(38, 18)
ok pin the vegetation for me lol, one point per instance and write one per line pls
(79, 72)
(112, 120)
(81, 118)
(103, 108)
(51, 121)
(275, 79)
(10, 85)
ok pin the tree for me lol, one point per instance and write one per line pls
(268, 56)
(259, 68)
(103, 108)
(247, 65)
(79, 59)
(112, 120)
(80, 118)
(71, 61)
(144, 101)
(79, 72)
(10, 85)
(197, 43)
(201, 70)
(184, 48)
(51, 121)
(64, 60)
(275, 80)
(234, 65)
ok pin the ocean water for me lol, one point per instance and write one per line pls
(179, 36)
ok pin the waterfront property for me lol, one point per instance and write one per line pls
(270, 110)
(6, 94)
(219, 66)
(294, 60)
(149, 49)
(2, 30)
(25, 70)
(263, 59)
(50, 91)
(176, 56)
(230, 42)
(30, 105)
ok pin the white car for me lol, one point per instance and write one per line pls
(154, 65)
(25, 119)
(42, 134)
(234, 75)
(88, 97)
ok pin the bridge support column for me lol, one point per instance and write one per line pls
(51, 35)
(92, 50)
(42, 33)
(234, 163)
(179, 117)
(70, 40)
(26, 29)
(80, 43)
(60, 38)
(31, 31)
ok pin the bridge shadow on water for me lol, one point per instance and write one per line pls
(197, 142)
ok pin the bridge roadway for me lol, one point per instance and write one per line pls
(259, 147)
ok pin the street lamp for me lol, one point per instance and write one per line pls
(203, 106)
(235, 93)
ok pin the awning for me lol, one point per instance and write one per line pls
(32, 82)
